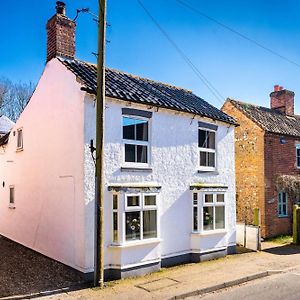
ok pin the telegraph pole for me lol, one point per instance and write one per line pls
(99, 180)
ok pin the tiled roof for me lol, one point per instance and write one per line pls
(132, 88)
(270, 120)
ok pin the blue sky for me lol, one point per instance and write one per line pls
(236, 67)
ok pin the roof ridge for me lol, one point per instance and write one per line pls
(135, 76)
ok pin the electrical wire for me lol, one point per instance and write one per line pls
(194, 68)
(238, 33)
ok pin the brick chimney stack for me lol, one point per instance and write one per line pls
(61, 34)
(282, 100)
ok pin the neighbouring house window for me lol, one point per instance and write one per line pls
(11, 196)
(207, 148)
(208, 214)
(136, 140)
(19, 139)
(282, 204)
(298, 156)
(115, 219)
(140, 217)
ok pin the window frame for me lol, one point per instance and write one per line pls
(20, 147)
(123, 208)
(12, 204)
(136, 143)
(280, 203)
(297, 148)
(201, 204)
(115, 210)
(207, 150)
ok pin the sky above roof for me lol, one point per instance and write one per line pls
(236, 67)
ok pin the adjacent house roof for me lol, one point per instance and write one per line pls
(270, 120)
(5, 124)
(132, 88)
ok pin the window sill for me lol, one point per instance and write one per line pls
(12, 207)
(136, 243)
(282, 217)
(19, 149)
(136, 169)
(210, 171)
(210, 232)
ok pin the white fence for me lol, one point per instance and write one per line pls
(248, 236)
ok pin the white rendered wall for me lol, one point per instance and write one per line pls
(48, 174)
(174, 161)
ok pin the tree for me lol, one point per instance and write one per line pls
(14, 97)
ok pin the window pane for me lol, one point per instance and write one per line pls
(279, 209)
(209, 198)
(128, 128)
(202, 138)
(298, 161)
(220, 198)
(150, 200)
(203, 159)
(115, 226)
(115, 201)
(11, 195)
(284, 209)
(283, 197)
(129, 153)
(141, 154)
(20, 139)
(133, 225)
(208, 218)
(133, 201)
(195, 218)
(211, 140)
(211, 159)
(149, 224)
(141, 130)
(195, 198)
(220, 217)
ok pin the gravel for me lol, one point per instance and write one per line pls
(24, 271)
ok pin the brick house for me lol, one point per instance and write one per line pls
(267, 145)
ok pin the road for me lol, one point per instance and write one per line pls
(282, 286)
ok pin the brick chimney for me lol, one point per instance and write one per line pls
(282, 100)
(61, 34)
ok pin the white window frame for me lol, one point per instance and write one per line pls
(20, 147)
(123, 209)
(137, 143)
(297, 148)
(201, 204)
(207, 150)
(115, 210)
(281, 204)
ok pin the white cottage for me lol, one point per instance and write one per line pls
(169, 169)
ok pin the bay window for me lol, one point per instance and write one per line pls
(211, 209)
(138, 217)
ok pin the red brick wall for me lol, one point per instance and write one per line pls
(61, 37)
(280, 158)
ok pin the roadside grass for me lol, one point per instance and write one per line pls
(281, 239)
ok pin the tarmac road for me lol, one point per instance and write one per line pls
(283, 286)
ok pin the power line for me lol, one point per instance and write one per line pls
(238, 33)
(194, 68)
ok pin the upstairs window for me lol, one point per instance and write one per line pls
(136, 140)
(207, 148)
(282, 204)
(11, 196)
(19, 139)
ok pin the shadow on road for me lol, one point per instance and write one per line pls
(283, 249)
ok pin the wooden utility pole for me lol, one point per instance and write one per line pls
(99, 182)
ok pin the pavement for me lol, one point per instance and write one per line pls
(190, 281)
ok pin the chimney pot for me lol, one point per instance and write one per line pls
(276, 88)
(60, 8)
